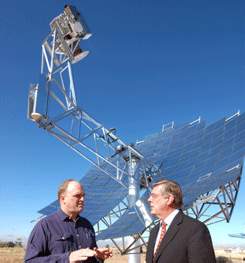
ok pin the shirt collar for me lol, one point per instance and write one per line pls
(168, 220)
(63, 216)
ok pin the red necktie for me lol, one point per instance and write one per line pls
(163, 231)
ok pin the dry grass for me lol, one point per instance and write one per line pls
(11, 255)
(239, 256)
(16, 255)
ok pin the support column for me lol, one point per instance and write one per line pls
(134, 256)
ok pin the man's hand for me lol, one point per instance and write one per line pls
(81, 254)
(103, 253)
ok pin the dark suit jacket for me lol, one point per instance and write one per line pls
(186, 241)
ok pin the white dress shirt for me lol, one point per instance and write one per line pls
(168, 220)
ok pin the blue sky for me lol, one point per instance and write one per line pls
(151, 62)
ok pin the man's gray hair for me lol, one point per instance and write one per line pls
(171, 187)
(63, 187)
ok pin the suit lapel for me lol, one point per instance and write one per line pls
(151, 243)
(171, 232)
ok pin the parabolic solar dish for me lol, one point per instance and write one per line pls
(200, 158)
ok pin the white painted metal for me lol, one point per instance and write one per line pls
(134, 255)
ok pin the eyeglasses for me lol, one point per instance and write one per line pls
(154, 195)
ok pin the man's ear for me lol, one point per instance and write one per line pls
(170, 200)
(62, 197)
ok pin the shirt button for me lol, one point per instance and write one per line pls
(77, 235)
(79, 246)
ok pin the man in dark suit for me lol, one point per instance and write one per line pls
(177, 238)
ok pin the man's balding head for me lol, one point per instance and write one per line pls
(71, 197)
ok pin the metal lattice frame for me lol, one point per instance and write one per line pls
(72, 125)
(216, 206)
(112, 216)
